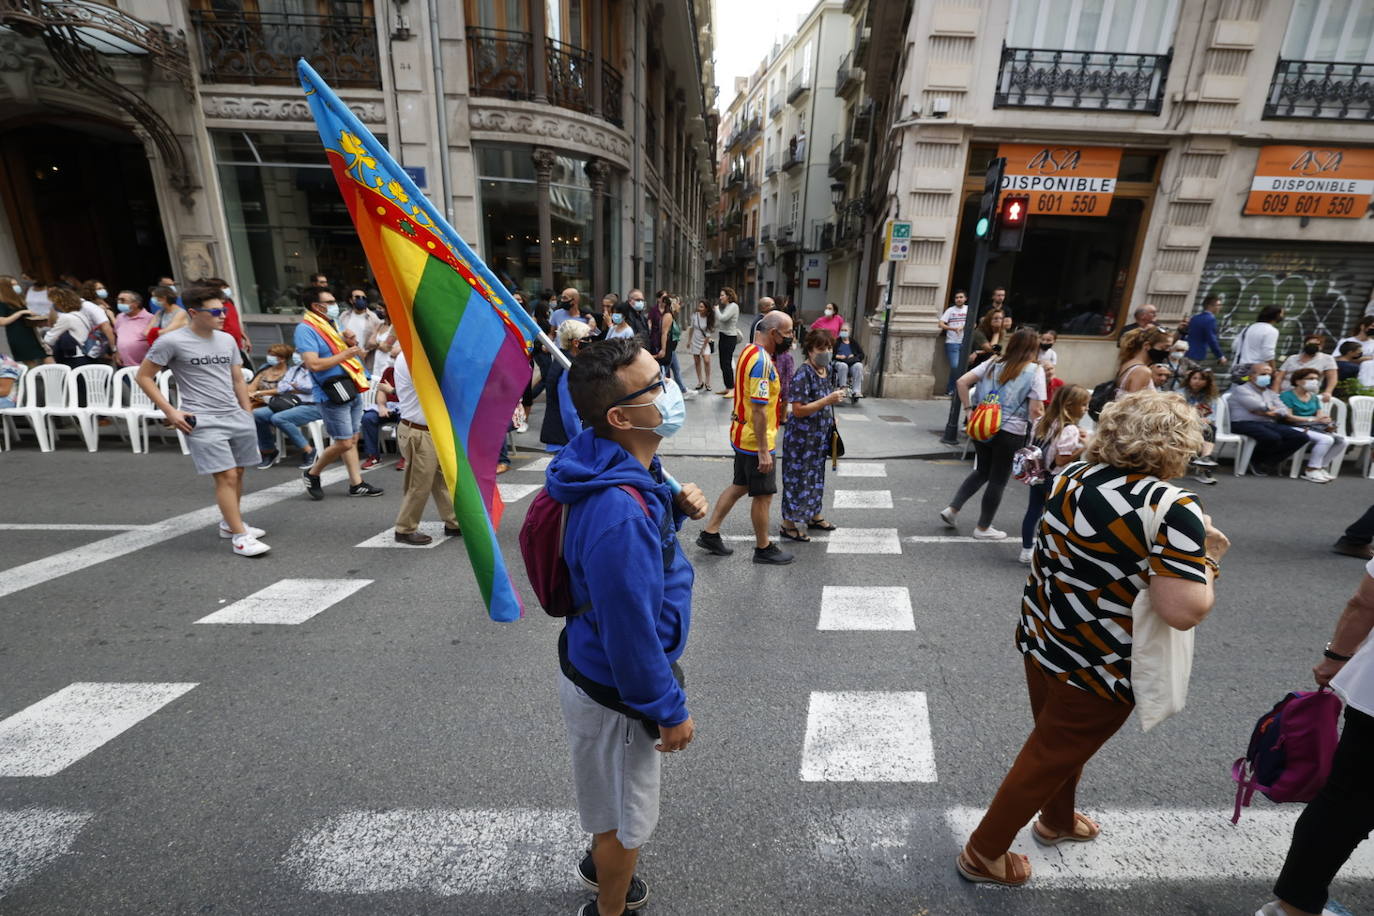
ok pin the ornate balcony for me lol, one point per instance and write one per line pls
(770, 168)
(744, 249)
(766, 233)
(787, 237)
(775, 105)
(795, 155)
(841, 157)
(799, 86)
(1043, 78)
(262, 48)
(1321, 89)
(501, 64)
(848, 76)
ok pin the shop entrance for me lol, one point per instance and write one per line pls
(80, 200)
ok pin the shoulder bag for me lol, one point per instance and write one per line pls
(1161, 656)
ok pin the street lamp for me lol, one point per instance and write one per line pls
(836, 194)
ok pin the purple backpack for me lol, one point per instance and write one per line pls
(1291, 748)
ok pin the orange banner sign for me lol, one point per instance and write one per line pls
(1311, 181)
(1063, 180)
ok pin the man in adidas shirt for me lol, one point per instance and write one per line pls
(215, 413)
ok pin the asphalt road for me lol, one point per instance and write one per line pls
(398, 753)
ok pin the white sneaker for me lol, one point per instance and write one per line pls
(245, 545)
(1025, 556)
(1327, 474)
(1315, 475)
(989, 534)
(225, 533)
(948, 515)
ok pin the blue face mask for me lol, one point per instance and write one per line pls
(332, 311)
(295, 359)
(273, 360)
(637, 304)
(123, 306)
(617, 318)
(672, 409)
(103, 293)
(1263, 380)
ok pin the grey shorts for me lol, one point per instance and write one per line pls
(342, 421)
(223, 441)
(615, 768)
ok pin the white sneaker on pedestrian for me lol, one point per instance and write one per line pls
(989, 534)
(1327, 474)
(225, 533)
(245, 545)
(1315, 475)
(1025, 556)
(948, 515)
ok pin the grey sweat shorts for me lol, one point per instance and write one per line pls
(223, 441)
(615, 768)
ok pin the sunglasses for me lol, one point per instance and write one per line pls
(213, 313)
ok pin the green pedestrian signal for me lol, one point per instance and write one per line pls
(981, 230)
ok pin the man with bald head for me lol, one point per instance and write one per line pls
(766, 305)
(754, 425)
(569, 306)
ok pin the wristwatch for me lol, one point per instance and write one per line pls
(1335, 656)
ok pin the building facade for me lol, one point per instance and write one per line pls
(571, 143)
(777, 188)
(1171, 150)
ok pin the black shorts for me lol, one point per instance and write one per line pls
(747, 474)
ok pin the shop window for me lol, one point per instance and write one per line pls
(1141, 27)
(1071, 272)
(1330, 30)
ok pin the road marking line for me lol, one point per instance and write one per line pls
(862, 469)
(539, 464)
(39, 526)
(862, 499)
(864, 540)
(290, 601)
(955, 539)
(442, 851)
(868, 736)
(388, 537)
(31, 838)
(77, 559)
(854, 418)
(57, 731)
(514, 492)
(866, 607)
(1202, 845)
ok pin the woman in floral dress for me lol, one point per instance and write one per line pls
(806, 439)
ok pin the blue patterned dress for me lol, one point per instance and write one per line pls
(806, 447)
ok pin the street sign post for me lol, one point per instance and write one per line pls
(898, 239)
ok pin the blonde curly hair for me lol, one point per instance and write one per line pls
(1148, 432)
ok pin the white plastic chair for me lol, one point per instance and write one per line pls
(17, 395)
(43, 387)
(314, 429)
(164, 383)
(94, 382)
(130, 406)
(1336, 456)
(1360, 438)
(1245, 446)
(247, 374)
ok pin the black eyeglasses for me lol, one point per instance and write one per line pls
(660, 383)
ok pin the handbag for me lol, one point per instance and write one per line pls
(1028, 464)
(1161, 656)
(341, 390)
(279, 402)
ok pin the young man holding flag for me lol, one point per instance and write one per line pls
(336, 366)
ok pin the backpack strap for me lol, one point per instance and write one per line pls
(1245, 787)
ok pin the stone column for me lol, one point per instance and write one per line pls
(543, 173)
(539, 52)
(598, 171)
(598, 55)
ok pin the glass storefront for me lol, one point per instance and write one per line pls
(286, 218)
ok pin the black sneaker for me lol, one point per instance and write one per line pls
(312, 485)
(589, 909)
(712, 543)
(307, 460)
(364, 489)
(772, 555)
(636, 898)
(267, 460)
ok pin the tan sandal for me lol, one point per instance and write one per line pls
(1087, 834)
(1015, 869)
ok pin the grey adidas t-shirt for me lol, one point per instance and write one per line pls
(203, 368)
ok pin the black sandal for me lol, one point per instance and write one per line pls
(793, 534)
(819, 524)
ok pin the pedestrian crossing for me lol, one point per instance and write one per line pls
(33, 838)
(868, 736)
(290, 601)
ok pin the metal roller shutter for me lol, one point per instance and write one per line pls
(1322, 286)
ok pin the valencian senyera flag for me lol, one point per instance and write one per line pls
(466, 340)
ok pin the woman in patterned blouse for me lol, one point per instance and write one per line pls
(1090, 561)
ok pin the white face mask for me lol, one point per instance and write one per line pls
(1311, 384)
(103, 293)
(18, 290)
(829, 311)
(228, 293)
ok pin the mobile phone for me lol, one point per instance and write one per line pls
(191, 420)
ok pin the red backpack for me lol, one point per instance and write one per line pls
(541, 544)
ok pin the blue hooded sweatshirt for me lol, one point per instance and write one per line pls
(639, 616)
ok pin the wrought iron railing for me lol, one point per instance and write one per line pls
(262, 48)
(775, 105)
(1045, 78)
(801, 82)
(744, 248)
(1321, 89)
(840, 154)
(499, 63)
(795, 155)
(770, 167)
(570, 76)
(766, 233)
(612, 95)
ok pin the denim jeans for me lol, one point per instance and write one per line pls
(288, 421)
(372, 432)
(952, 353)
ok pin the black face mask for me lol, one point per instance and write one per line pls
(1045, 346)
(1311, 349)
(1157, 356)
(785, 345)
(565, 302)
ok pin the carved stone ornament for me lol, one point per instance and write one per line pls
(556, 129)
(271, 108)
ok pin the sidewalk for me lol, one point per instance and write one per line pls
(875, 428)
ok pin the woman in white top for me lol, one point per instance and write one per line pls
(727, 324)
(1335, 822)
(1363, 334)
(699, 332)
(70, 329)
(1311, 357)
(381, 342)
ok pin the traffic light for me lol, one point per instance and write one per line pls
(1011, 222)
(987, 208)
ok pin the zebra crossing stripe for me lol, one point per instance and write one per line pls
(52, 734)
(31, 838)
(862, 469)
(290, 601)
(539, 464)
(387, 538)
(863, 499)
(868, 736)
(864, 541)
(866, 607)
(439, 851)
(514, 492)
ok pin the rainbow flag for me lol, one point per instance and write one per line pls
(466, 340)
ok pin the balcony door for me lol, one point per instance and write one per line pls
(1123, 26)
(506, 15)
